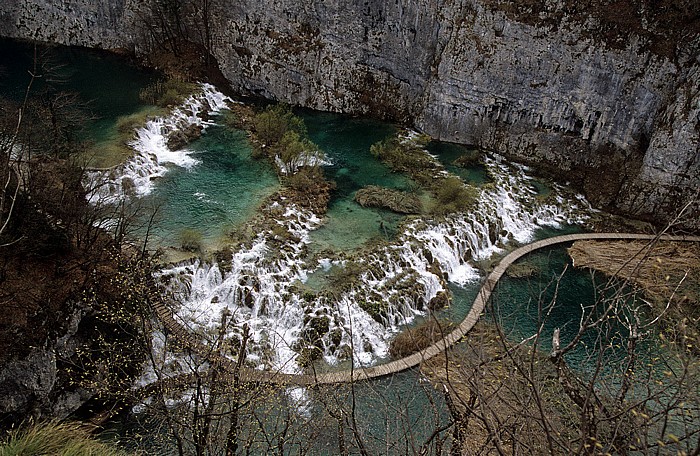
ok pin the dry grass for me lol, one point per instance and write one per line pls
(489, 391)
(665, 270)
(668, 272)
(55, 438)
(422, 336)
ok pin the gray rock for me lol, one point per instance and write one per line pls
(618, 119)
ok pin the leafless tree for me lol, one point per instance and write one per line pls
(604, 379)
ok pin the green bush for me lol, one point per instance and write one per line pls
(292, 147)
(272, 124)
(54, 438)
(400, 156)
(166, 93)
(191, 240)
(305, 179)
(454, 196)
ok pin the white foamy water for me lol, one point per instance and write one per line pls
(152, 155)
(396, 283)
(306, 158)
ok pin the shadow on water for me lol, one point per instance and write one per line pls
(471, 170)
(109, 85)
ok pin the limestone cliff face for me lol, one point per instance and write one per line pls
(99, 24)
(622, 122)
(616, 113)
(36, 386)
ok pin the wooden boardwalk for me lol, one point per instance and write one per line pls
(226, 365)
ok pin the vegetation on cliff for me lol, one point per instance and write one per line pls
(61, 260)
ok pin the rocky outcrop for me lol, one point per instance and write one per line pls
(605, 94)
(99, 24)
(36, 386)
(610, 119)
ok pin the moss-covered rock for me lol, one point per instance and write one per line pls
(316, 327)
(180, 138)
(441, 300)
(386, 198)
(308, 354)
(377, 309)
(522, 270)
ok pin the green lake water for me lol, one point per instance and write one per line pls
(216, 195)
(475, 173)
(108, 85)
(227, 186)
(347, 141)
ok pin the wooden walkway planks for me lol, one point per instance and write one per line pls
(190, 341)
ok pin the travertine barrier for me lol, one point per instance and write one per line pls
(227, 365)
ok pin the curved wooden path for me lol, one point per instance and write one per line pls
(226, 365)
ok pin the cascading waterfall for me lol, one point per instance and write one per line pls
(135, 176)
(255, 291)
(263, 287)
(306, 158)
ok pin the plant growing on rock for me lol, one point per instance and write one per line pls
(454, 196)
(408, 156)
(394, 200)
(54, 437)
(272, 124)
(295, 152)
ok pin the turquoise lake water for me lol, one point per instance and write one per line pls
(108, 85)
(216, 195)
(226, 187)
(347, 141)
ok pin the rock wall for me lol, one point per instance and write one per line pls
(99, 24)
(35, 385)
(617, 113)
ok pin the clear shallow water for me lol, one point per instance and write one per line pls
(347, 141)
(220, 192)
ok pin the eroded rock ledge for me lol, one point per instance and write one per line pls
(606, 96)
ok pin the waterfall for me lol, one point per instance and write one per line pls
(306, 158)
(152, 155)
(263, 287)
